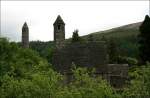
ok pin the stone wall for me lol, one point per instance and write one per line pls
(117, 74)
(86, 54)
(90, 55)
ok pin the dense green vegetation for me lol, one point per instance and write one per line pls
(28, 73)
(24, 74)
(139, 86)
(144, 40)
(45, 49)
(112, 51)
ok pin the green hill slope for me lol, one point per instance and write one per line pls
(119, 32)
(125, 37)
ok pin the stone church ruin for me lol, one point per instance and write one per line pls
(90, 54)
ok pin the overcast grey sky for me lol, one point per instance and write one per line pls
(87, 16)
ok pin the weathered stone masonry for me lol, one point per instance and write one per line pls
(90, 54)
(25, 36)
(87, 54)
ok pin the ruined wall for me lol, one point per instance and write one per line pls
(91, 55)
(117, 74)
(87, 54)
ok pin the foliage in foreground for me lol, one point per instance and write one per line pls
(139, 86)
(85, 86)
(26, 75)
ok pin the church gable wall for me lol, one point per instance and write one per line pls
(90, 54)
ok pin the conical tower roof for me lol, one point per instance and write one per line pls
(59, 20)
(25, 25)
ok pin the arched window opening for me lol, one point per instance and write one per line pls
(58, 27)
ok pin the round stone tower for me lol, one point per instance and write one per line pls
(25, 36)
(59, 31)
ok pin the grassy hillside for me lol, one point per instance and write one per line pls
(119, 32)
(125, 37)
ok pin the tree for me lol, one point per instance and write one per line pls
(24, 74)
(75, 36)
(139, 85)
(112, 51)
(104, 38)
(144, 40)
(90, 38)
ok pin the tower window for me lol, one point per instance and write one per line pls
(58, 27)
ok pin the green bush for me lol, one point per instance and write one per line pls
(139, 86)
(127, 60)
(24, 74)
(86, 86)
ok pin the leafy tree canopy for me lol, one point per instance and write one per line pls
(144, 40)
